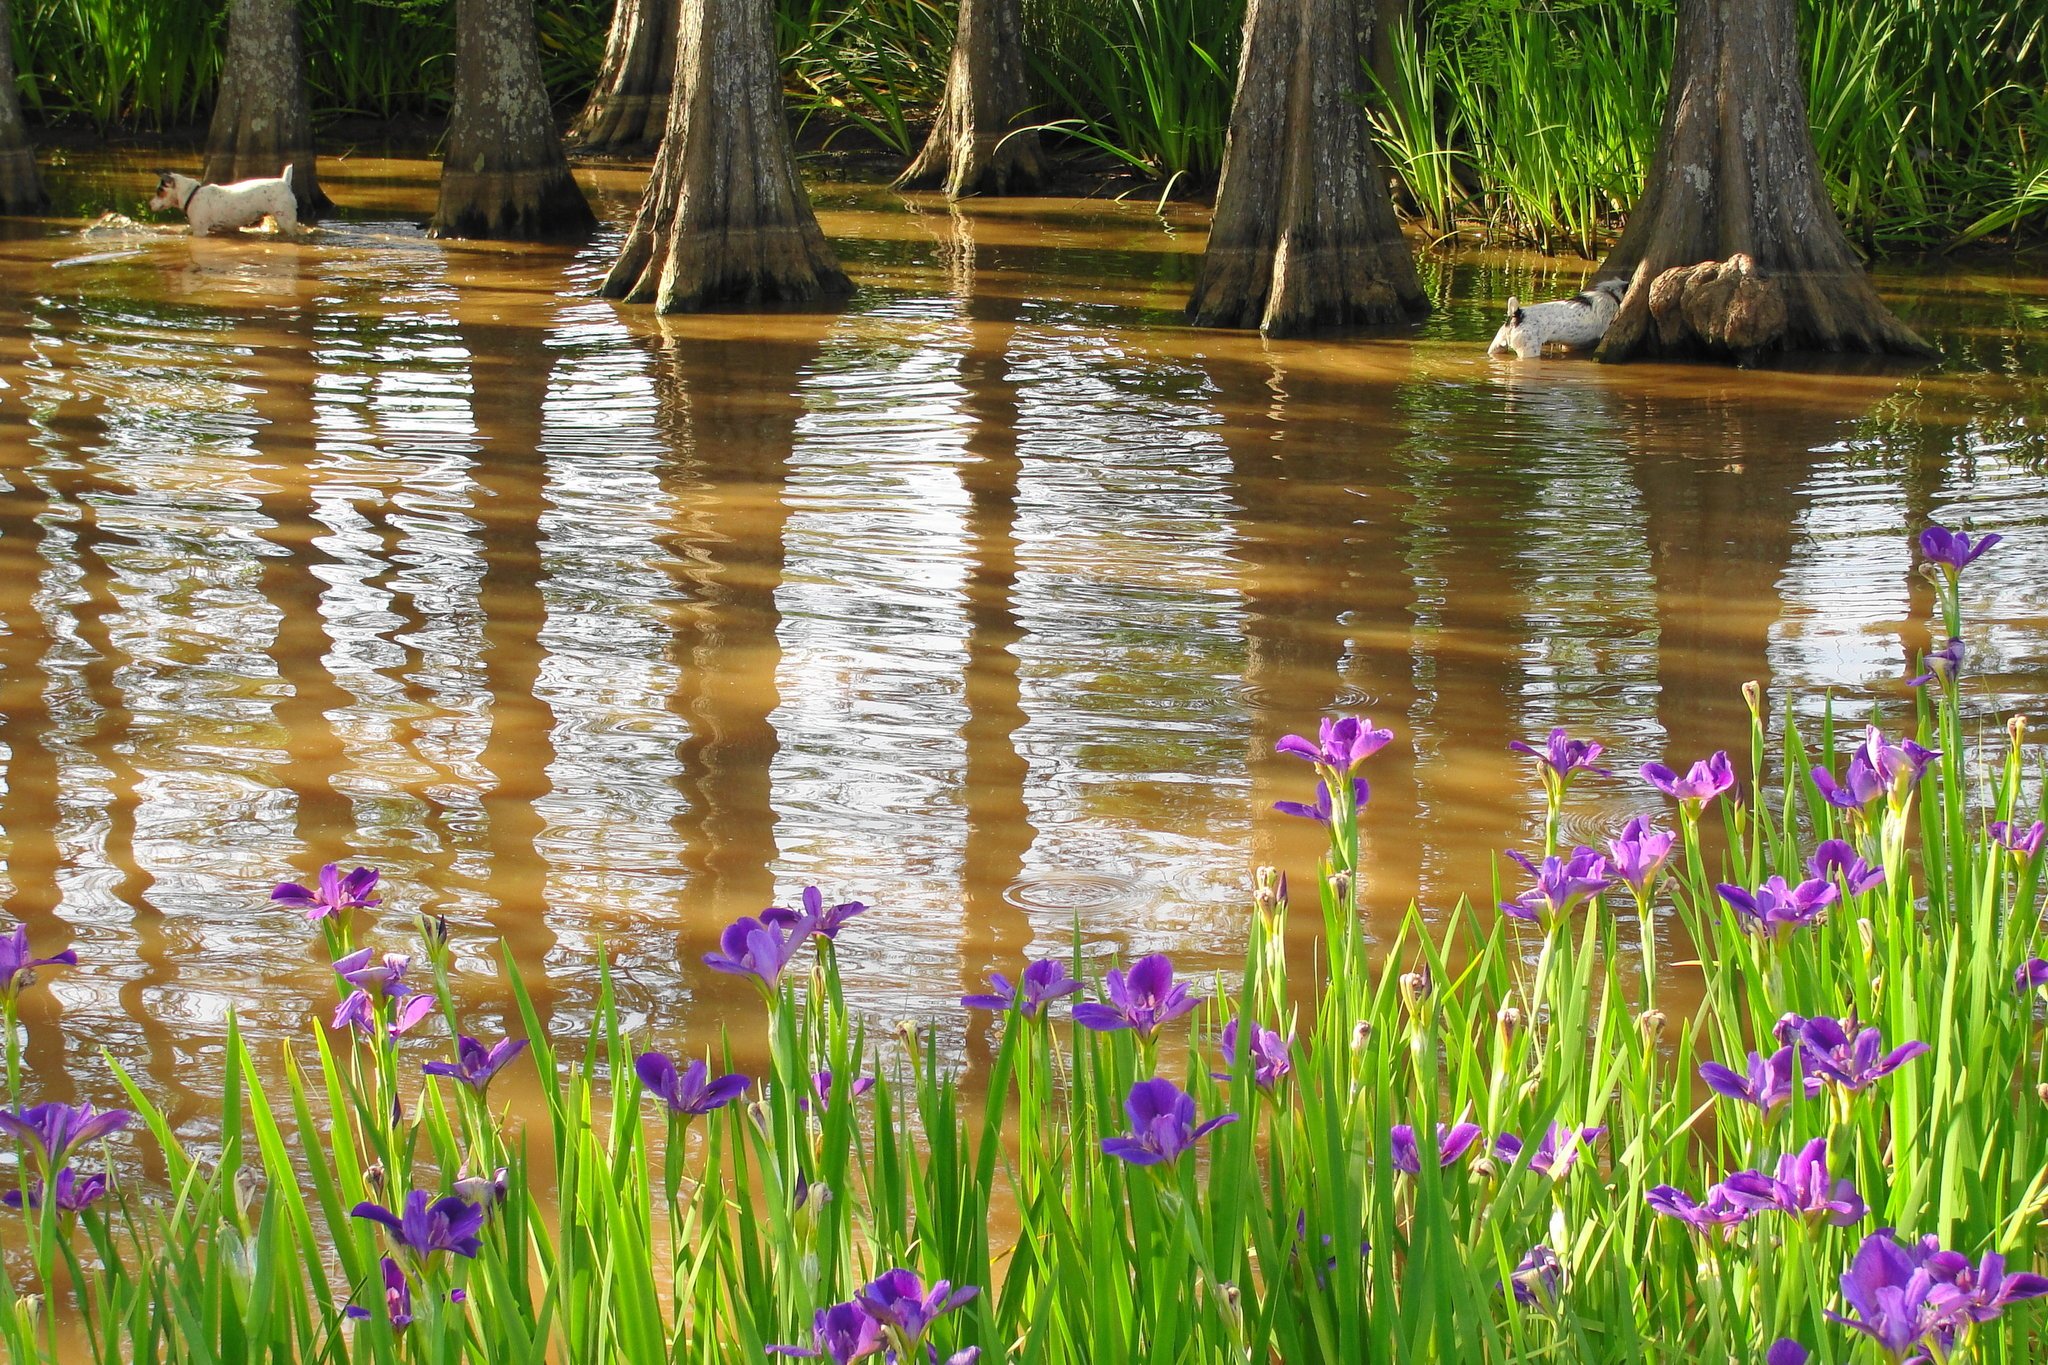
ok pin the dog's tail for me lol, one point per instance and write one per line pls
(287, 175)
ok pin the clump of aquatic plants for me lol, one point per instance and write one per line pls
(1505, 1136)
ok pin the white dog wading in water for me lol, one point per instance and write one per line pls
(1576, 323)
(223, 208)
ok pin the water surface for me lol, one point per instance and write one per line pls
(982, 598)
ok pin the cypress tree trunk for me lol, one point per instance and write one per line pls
(972, 149)
(504, 174)
(262, 121)
(725, 219)
(1735, 205)
(1304, 234)
(20, 190)
(629, 104)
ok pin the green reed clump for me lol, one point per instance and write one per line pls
(1503, 1137)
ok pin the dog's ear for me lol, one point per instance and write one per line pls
(1514, 311)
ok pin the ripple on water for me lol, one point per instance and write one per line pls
(1070, 892)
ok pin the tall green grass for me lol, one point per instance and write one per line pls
(626, 1233)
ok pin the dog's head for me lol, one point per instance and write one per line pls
(1614, 289)
(170, 191)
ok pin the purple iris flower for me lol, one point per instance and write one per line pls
(899, 1300)
(475, 1064)
(337, 894)
(1785, 1351)
(1776, 907)
(55, 1130)
(1639, 852)
(843, 1333)
(1837, 861)
(2006, 834)
(2031, 976)
(1321, 811)
(1893, 1294)
(359, 1011)
(1561, 884)
(1982, 1291)
(1800, 1187)
(1555, 1155)
(1704, 781)
(1563, 758)
(821, 1085)
(1141, 999)
(1452, 1142)
(690, 1092)
(385, 977)
(1162, 1124)
(1945, 663)
(485, 1191)
(1042, 983)
(1899, 765)
(1861, 786)
(1853, 1057)
(829, 920)
(18, 969)
(1272, 1061)
(397, 1299)
(1717, 1210)
(1954, 551)
(1765, 1082)
(1537, 1278)
(427, 1225)
(73, 1192)
(1341, 745)
(758, 951)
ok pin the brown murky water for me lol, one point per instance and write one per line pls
(982, 598)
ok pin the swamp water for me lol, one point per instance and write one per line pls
(982, 598)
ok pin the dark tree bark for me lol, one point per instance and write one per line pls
(973, 148)
(504, 174)
(725, 219)
(20, 190)
(262, 121)
(629, 104)
(1387, 17)
(1304, 234)
(1735, 176)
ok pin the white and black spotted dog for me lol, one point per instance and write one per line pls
(1575, 323)
(224, 208)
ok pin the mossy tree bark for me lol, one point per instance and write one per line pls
(1304, 234)
(504, 174)
(1735, 175)
(262, 120)
(725, 219)
(20, 189)
(629, 104)
(975, 146)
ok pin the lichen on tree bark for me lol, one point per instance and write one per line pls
(978, 144)
(725, 219)
(628, 104)
(1304, 235)
(21, 191)
(503, 174)
(1735, 175)
(262, 120)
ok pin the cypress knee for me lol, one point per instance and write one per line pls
(262, 120)
(20, 189)
(975, 145)
(1734, 248)
(1304, 234)
(628, 105)
(725, 219)
(504, 174)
